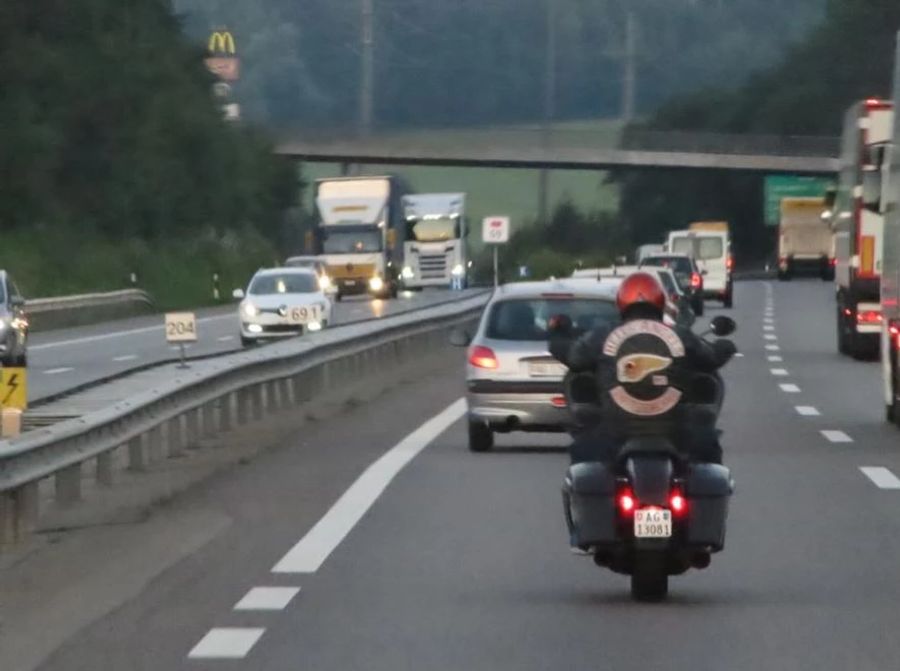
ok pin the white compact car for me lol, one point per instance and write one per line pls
(280, 303)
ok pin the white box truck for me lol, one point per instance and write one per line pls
(805, 242)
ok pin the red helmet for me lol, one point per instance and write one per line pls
(640, 289)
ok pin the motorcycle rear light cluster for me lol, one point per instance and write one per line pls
(677, 503)
(626, 501)
(868, 317)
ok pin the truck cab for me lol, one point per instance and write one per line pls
(434, 252)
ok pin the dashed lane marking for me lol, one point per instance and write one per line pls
(311, 551)
(226, 643)
(807, 411)
(837, 436)
(881, 476)
(790, 388)
(779, 372)
(775, 359)
(125, 357)
(57, 371)
(225, 338)
(267, 598)
(770, 336)
(768, 327)
(773, 348)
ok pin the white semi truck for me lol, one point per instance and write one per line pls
(359, 234)
(881, 192)
(435, 249)
(858, 228)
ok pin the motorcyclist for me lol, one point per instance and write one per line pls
(601, 426)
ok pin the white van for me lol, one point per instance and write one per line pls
(712, 252)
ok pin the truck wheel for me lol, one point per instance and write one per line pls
(649, 577)
(481, 438)
(843, 345)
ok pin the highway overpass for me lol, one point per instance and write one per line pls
(569, 149)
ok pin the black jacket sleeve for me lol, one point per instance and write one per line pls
(703, 356)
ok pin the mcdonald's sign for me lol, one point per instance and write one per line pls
(221, 42)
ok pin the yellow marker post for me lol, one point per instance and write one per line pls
(13, 388)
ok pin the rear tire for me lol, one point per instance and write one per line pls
(842, 344)
(649, 577)
(481, 438)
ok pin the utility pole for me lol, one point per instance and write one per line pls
(367, 69)
(549, 107)
(629, 66)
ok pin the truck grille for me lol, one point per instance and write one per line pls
(433, 266)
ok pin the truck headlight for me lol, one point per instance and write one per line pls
(376, 284)
(457, 270)
(408, 273)
(249, 309)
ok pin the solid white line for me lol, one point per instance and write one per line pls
(267, 598)
(313, 549)
(125, 357)
(882, 477)
(790, 388)
(57, 371)
(226, 643)
(807, 411)
(780, 372)
(119, 334)
(773, 348)
(775, 359)
(837, 436)
(770, 336)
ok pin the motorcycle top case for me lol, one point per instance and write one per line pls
(591, 492)
(708, 489)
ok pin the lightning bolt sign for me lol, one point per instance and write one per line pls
(14, 388)
(11, 385)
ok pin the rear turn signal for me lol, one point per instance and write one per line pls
(696, 280)
(626, 501)
(677, 503)
(482, 357)
(729, 263)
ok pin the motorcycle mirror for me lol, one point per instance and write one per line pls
(722, 326)
(560, 324)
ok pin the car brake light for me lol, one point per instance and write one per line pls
(626, 501)
(696, 280)
(482, 357)
(559, 401)
(894, 330)
(729, 263)
(677, 502)
(868, 317)
(832, 262)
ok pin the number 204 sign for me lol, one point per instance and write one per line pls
(181, 327)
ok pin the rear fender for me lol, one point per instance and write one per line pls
(650, 476)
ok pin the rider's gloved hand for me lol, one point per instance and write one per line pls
(724, 348)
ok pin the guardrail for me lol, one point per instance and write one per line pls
(213, 396)
(64, 311)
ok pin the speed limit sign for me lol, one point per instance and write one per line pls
(495, 230)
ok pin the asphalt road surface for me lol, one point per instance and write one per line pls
(60, 360)
(460, 561)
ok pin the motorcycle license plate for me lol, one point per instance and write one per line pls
(652, 523)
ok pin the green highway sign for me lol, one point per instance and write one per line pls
(790, 186)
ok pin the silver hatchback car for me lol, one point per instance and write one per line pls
(513, 384)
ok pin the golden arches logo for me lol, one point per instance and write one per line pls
(222, 42)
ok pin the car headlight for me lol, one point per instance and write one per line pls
(249, 309)
(376, 284)
(324, 282)
(408, 273)
(457, 269)
(314, 326)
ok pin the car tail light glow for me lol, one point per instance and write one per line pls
(626, 501)
(696, 280)
(848, 312)
(832, 262)
(482, 357)
(677, 502)
(729, 263)
(559, 401)
(868, 317)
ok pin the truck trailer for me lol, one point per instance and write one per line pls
(805, 243)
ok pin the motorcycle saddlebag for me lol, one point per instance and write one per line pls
(590, 492)
(708, 488)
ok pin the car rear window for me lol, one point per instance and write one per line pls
(288, 283)
(678, 264)
(668, 283)
(526, 319)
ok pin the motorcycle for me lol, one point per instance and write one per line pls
(650, 513)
